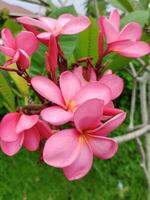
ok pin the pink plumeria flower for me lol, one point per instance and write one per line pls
(68, 97)
(20, 48)
(73, 149)
(114, 82)
(17, 130)
(125, 42)
(66, 24)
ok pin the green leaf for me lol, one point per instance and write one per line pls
(7, 94)
(20, 83)
(123, 5)
(2, 59)
(139, 16)
(68, 44)
(117, 4)
(126, 4)
(88, 42)
(117, 62)
(68, 9)
(137, 5)
(13, 25)
(145, 3)
(38, 62)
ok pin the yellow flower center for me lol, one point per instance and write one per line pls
(71, 105)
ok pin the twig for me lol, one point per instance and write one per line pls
(62, 61)
(133, 103)
(143, 161)
(32, 108)
(148, 138)
(132, 135)
(143, 98)
(141, 62)
(131, 125)
(133, 71)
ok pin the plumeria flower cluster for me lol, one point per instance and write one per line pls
(77, 113)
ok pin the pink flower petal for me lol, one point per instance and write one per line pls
(31, 29)
(49, 22)
(27, 41)
(16, 57)
(108, 115)
(131, 31)
(102, 147)
(26, 122)
(93, 90)
(108, 71)
(111, 111)
(92, 74)
(62, 148)
(64, 19)
(88, 115)
(8, 38)
(76, 25)
(44, 36)
(33, 22)
(8, 127)
(47, 89)
(78, 72)
(115, 19)
(131, 49)
(23, 60)
(110, 125)
(11, 148)
(109, 105)
(56, 115)
(81, 165)
(44, 129)
(31, 139)
(69, 85)
(7, 51)
(114, 82)
(108, 30)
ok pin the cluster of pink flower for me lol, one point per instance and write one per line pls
(80, 98)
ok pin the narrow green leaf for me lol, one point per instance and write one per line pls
(7, 94)
(117, 62)
(20, 83)
(2, 59)
(38, 62)
(145, 3)
(68, 9)
(139, 16)
(13, 25)
(68, 44)
(88, 42)
(117, 4)
(126, 4)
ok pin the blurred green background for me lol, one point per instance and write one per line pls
(23, 177)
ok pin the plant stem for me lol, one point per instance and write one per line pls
(62, 61)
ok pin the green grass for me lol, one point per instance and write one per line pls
(23, 178)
